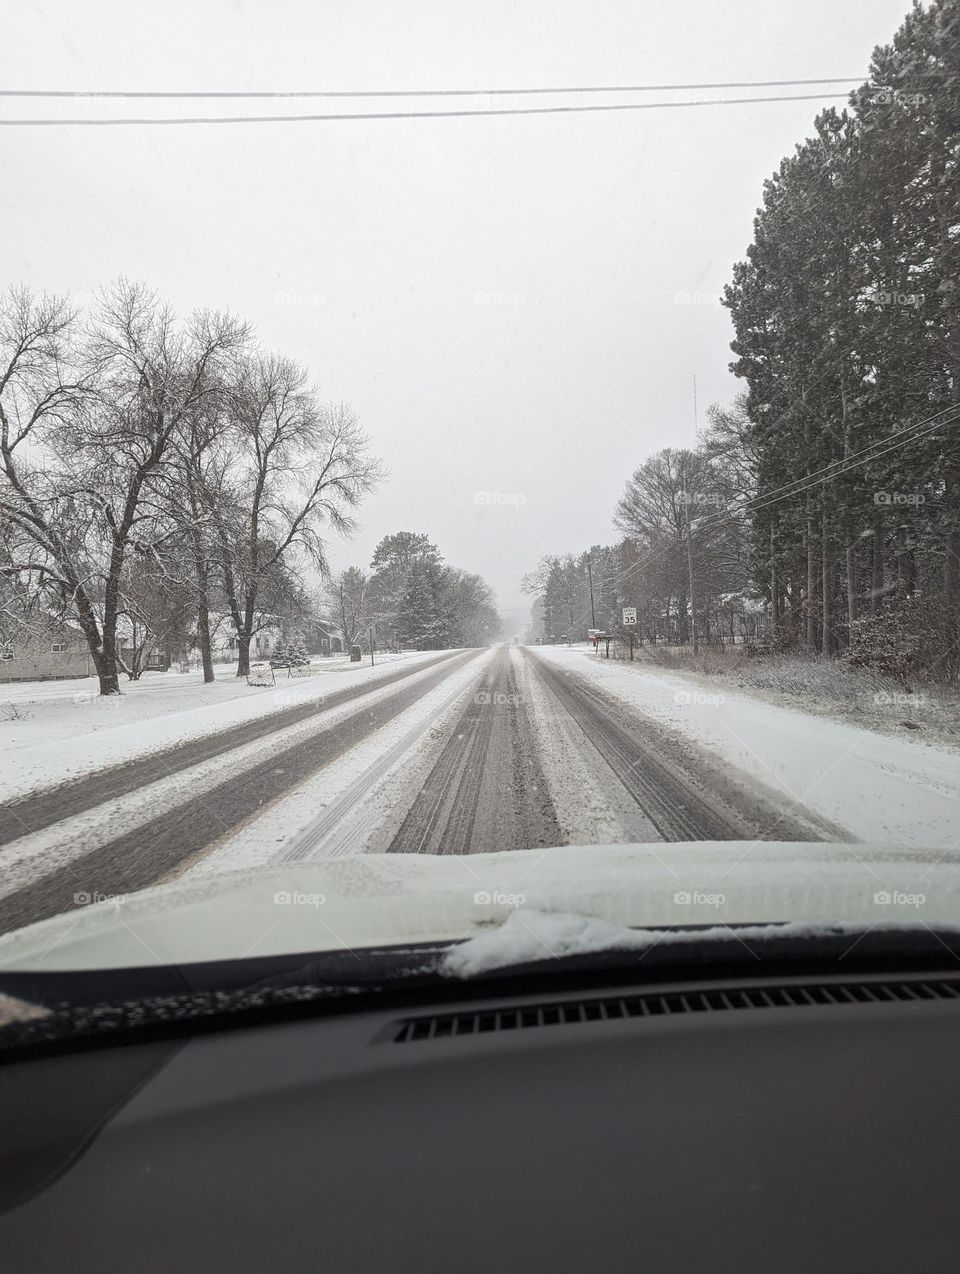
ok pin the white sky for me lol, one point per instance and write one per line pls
(360, 247)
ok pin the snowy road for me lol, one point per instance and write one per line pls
(462, 752)
(487, 788)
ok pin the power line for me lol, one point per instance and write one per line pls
(417, 92)
(381, 115)
(843, 465)
(824, 474)
(915, 431)
(848, 468)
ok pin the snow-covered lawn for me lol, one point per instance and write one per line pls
(879, 788)
(64, 729)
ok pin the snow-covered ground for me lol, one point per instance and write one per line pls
(409, 753)
(64, 729)
(879, 788)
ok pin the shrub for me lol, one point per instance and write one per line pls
(901, 640)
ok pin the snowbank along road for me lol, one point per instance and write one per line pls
(467, 752)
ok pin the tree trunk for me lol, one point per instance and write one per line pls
(811, 633)
(851, 558)
(201, 571)
(90, 627)
(244, 637)
(774, 586)
(203, 636)
(826, 608)
(906, 566)
(876, 582)
(810, 534)
(108, 668)
(107, 672)
(241, 627)
(851, 583)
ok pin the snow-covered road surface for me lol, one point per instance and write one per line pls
(465, 752)
(880, 788)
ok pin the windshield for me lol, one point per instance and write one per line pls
(466, 460)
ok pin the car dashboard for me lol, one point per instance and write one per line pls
(789, 1124)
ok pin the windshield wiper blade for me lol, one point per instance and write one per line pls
(104, 1006)
(82, 1003)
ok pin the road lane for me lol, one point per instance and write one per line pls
(685, 793)
(487, 790)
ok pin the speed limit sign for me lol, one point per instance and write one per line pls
(629, 614)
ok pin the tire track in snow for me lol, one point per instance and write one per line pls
(44, 872)
(680, 789)
(486, 791)
(356, 795)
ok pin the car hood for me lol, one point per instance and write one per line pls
(347, 903)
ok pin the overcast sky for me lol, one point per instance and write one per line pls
(515, 307)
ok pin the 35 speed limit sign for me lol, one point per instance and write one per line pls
(629, 614)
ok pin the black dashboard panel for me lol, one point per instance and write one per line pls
(821, 1138)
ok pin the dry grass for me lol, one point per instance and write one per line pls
(710, 661)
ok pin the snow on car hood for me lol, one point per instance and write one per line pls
(384, 899)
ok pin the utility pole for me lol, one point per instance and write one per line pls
(693, 604)
(593, 613)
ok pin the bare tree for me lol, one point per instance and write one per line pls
(87, 420)
(679, 510)
(346, 595)
(299, 468)
(156, 605)
(42, 390)
(198, 487)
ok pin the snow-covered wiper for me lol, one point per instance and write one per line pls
(530, 937)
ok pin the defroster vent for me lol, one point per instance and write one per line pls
(659, 1004)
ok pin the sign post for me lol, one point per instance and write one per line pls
(630, 621)
(595, 636)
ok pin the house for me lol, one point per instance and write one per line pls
(53, 652)
(224, 643)
(58, 651)
(322, 638)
